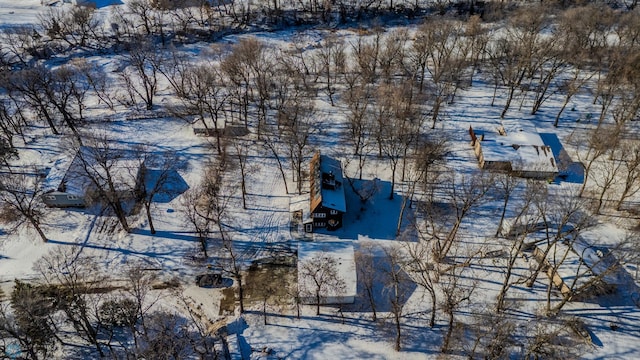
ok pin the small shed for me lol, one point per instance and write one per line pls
(344, 256)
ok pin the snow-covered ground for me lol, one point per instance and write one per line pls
(613, 321)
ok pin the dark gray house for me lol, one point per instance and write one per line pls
(327, 199)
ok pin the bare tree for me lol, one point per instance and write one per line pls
(454, 294)
(241, 151)
(392, 55)
(591, 275)
(21, 199)
(366, 55)
(492, 335)
(75, 26)
(549, 341)
(358, 100)
(237, 66)
(525, 220)
(296, 130)
(67, 94)
(439, 51)
(514, 56)
(476, 39)
(396, 285)
(368, 275)
(141, 76)
(202, 90)
(22, 45)
(575, 28)
(549, 65)
(29, 87)
(562, 216)
(144, 13)
(231, 259)
(398, 124)
(198, 213)
(592, 145)
(463, 194)
(332, 60)
(629, 153)
(112, 172)
(74, 277)
(321, 277)
(155, 176)
(424, 271)
(12, 124)
(606, 179)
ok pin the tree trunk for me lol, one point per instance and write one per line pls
(432, 320)
(147, 206)
(512, 90)
(564, 105)
(447, 337)
(240, 292)
(398, 333)
(203, 244)
(504, 212)
(120, 214)
(393, 179)
(317, 302)
(36, 226)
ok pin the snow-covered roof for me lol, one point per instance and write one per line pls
(56, 174)
(69, 175)
(331, 197)
(578, 262)
(344, 256)
(524, 149)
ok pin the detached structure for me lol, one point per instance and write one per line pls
(328, 268)
(71, 182)
(581, 270)
(327, 201)
(520, 153)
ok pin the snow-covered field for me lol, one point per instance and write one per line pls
(613, 321)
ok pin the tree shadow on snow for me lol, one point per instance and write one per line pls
(373, 218)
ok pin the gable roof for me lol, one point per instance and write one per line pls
(523, 149)
(69, 175)
(321, 167)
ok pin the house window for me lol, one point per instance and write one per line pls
(334, 212)
(72, 197)
(320, 224)
(320, 215)
(50, 197)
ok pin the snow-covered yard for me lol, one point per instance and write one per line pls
(379, 229)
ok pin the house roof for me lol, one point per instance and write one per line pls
(334, 199)
(579, 261)
(524, 149)
(56, 174)
(69, 175)
(344, 256)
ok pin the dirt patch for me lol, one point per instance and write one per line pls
(271, 282)
(266, 282)
(228, 302)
